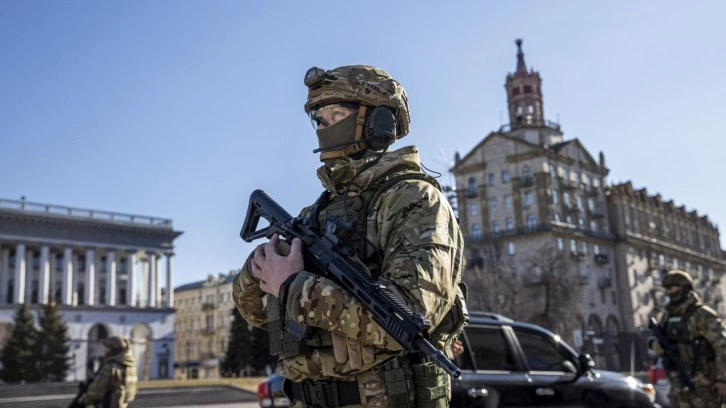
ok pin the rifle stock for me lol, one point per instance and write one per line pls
(326, 255)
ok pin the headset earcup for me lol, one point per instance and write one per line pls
(380, 128)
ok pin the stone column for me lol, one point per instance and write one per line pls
(111, 278)
(152, 278)
(131, 281)
(169, 286)
(90, 282)
(44, 275)
(4, 273)
(144, 283)
(19, 276)
(29, 274)
(67, 289)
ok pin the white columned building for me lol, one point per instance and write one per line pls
(87, 262)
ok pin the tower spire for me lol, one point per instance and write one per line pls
(521, 66)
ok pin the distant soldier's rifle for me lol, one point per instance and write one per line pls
(81, 395)
(670, 353)
(329, 257)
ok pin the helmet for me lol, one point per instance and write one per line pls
(116, 343)
(366, 85)
(677, 277)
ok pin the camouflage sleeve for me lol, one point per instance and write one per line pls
(422, 245)
(98, 387)
(710, 326)
(248, 297)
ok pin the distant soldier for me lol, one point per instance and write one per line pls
(115, 384)
(697, 337)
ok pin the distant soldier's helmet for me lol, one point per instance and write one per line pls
(677, 277)
(363, 84)
(116, 343)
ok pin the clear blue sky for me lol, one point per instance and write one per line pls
(180, 109)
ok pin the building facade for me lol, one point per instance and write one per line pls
(204, 315)
(102, 269)
(525, 189)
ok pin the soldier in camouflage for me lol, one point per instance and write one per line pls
(700, 339)
(115, 384)
(331, 352)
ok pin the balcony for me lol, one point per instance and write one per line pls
(525, 181)
(207, 307)
(592, 192)
(604, 282)
(601, 259)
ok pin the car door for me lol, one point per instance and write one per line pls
(492, 374)
(551, 370)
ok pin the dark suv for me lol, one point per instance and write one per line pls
(514, 364)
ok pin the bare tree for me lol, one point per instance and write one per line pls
(543, 287)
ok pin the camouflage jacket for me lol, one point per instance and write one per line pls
(417, 233)
(115, 384)
(703, 322)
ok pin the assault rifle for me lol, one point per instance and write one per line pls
(81, 395)
(326, 255)
(670, 353)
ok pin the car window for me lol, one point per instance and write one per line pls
(489, 349)
(543, 352)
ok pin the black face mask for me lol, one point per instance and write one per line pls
(338, 136)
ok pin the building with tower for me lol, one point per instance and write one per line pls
(102, 269)
(529, 198)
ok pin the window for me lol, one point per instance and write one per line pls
(591, 204)
(528, 89)
(528, 199)
(596, 249)
(490, 349)
(530, 109)
(531, 221)
(515, 91)
(507, 200)
(579, 201)
(543, 353)
(505, 176)
(583, 245)
(493, 204)
(471, 189)
(510, 248)
(560, 244)
(58, 263)
(573, 246)
(509, 223)
(593, 225)
(566, 199)
(490, 179)
(476, 231)
(495, 226)
(36, 260)
(557, 217)
(526, 172)
(555, 197)
(473, 209)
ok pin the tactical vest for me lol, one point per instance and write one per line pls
(289, 338)
(690, 350)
